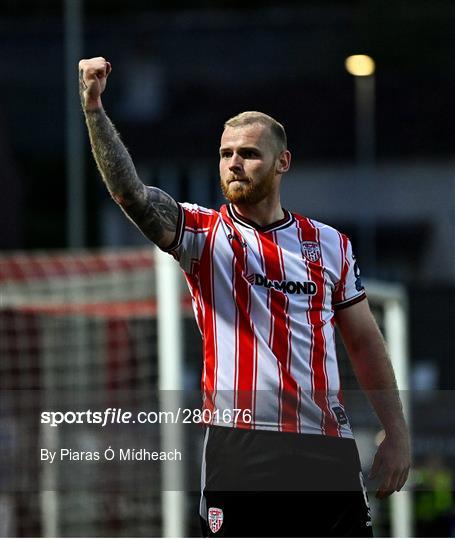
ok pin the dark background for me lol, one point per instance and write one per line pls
(219, 58)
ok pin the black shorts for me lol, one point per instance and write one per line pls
(269, 484)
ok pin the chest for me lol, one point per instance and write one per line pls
(280, 260)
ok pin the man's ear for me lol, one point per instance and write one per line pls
(283, 162)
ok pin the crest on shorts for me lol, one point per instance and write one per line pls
(311, 251)
(215, 519)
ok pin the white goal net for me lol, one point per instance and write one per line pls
(79, 331)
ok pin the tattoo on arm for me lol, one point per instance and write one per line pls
(153, 210)
(156, 215)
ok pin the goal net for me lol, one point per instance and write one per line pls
(79, 332)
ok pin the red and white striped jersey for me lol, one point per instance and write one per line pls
(264, 300)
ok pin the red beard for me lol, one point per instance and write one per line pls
(249, 191)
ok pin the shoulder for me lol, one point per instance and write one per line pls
(197, 217)
(323, 229)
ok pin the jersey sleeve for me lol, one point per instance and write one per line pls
(193, 226)
(349, 290)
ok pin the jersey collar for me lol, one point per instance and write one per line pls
(280, 224)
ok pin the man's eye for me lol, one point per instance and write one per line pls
(226, 154)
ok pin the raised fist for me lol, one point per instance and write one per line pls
(93, 74)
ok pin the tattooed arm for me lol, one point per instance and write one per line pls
(153, 210)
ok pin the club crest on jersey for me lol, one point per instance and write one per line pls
(215, 519)
(311, 251)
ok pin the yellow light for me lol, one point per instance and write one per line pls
(360, 65)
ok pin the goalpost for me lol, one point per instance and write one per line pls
(106, 327)
(170, 345)
(393, 299)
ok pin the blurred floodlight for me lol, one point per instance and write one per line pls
(360, 65)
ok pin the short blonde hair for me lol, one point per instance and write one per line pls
(249, 118)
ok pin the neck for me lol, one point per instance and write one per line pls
(263, 213)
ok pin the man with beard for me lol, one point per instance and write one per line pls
(268, 287)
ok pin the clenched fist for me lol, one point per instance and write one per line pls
(93, 74)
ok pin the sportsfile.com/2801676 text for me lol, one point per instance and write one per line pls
(112, 415)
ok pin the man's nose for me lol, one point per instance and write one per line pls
(235, 163)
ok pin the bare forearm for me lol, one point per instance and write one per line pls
(375, 374)
(368, 354)
(112, 158)
(152, 210)
(370, 360)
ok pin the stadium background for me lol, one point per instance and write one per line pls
(181, 69)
